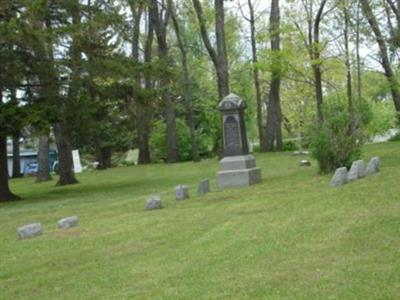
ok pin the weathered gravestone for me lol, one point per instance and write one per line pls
(153, 203)
(373, 166)
(300, 153)
(68, 222)
(30, 230)
(340, 177)
(203, 187)
(305, 163)
(357, 170)
(181, 192)
(238, 167)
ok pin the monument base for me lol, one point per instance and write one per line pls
(238, 171)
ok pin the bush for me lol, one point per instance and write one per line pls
(335, 144)
(289, 146)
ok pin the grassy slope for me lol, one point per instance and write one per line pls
(290, 237)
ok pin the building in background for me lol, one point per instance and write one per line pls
(29, 162)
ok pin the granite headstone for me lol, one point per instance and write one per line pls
(181, 192)
(238, 167)
(30, 230)
(340, 177)
(153, 202)
(68, 222)
(203, 187)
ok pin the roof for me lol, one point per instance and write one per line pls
(28, 153)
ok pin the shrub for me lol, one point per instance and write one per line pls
(336, 143)
(289, 146)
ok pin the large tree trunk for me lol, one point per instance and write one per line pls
(160, 25)
(144, 109)
(348, 66)
(61, 130)
(318, 87)
(391, 77)
(103, 157)
(358, 56)
(187, 86)
(16, 168)
(141, 114)
(316, 63)
(143, 132)
(274, 114)
(43, 159)
(274, 118)
(256, 78)
(5, 193)
(222, 57)
(66, 165)
(169, 114)
(218, 58)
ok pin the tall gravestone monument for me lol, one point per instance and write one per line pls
(238, 167)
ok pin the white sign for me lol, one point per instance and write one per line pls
(77, 161)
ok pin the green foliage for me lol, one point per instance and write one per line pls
(158, 142)
(383, 118)
(336, 143)
(289, 146)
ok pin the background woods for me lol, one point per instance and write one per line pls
(109, 76)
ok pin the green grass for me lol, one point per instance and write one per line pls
(290, 237)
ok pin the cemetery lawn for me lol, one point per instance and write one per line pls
(290, 237)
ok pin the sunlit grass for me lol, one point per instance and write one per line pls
(292, 236)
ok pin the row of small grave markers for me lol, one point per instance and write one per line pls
(36, 229)
(357, 171)
(154, 202)
(181, 193)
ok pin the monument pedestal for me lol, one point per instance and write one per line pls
(238, 171)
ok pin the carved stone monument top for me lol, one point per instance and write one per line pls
(232, 102)
(234, 130)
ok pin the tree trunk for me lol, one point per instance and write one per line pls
(16, 168)
(160, 25)
(144, 109)
(222, 57)
(43, 159)
(169, 115)
(316, 61)
(274, 114)
(187, 87)
(5, 193)
(358, 56)
(65, 162)
(142, 127)
(274, 118)
(348, 66)
(256, 78)
(143, 133)
(391, 77)
(219, 58)
(103, 157)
